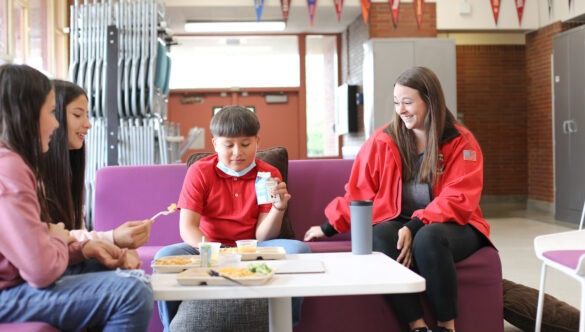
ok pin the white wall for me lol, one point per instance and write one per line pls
(561, 10)
(481, 17)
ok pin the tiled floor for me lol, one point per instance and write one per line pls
(513, 232)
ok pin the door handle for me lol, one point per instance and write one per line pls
(572, 125)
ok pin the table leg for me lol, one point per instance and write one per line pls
(280, 314)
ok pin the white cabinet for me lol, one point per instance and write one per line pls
(569, 123)
(385, 59)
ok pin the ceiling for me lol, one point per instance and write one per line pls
(178, 12)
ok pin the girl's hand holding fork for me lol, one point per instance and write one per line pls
(132, 234)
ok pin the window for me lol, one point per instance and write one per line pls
(236, 61)
(29, 34)
(3, 31)
(18, 32)
(321, 76)
(39, 39)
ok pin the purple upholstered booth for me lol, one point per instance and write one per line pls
(313, 184)
(27, 327)
(125, 193)
(137, 192)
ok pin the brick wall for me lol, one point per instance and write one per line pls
(540, 156)
(491, 103)
(381, 26)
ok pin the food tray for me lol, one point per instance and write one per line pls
(175, 264)
(199, 277)
(260, 253)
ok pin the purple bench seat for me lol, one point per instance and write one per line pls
(27, 327)
(138, 192)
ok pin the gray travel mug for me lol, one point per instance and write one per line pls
(361, 227)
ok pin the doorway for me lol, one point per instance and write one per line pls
(278, 112)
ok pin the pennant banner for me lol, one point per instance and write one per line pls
(394, 5)
(258, 4)
(550, 4)
(338, 8)
(365, 9)
(285, 5)
(495, 9)
(312, 4)
(418, 10)
(520, 10)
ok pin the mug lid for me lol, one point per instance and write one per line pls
(361, 203)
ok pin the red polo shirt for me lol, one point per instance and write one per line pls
(227, 204)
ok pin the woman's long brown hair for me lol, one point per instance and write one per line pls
(437, 119)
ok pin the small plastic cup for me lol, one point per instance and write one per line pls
(228, 259)
(208, 253)
(246, 245)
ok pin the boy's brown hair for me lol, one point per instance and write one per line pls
(234, 121)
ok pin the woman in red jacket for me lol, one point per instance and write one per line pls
(424, 173)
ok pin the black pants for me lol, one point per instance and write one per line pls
(436, 248)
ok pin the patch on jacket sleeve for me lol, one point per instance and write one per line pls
(469, 155)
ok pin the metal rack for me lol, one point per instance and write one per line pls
(119, 55)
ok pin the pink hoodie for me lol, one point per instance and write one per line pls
(28, 253)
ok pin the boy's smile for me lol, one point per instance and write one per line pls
(237, 153)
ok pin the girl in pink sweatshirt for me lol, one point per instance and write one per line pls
(45, 274)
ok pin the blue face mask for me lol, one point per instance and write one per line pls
(231, 172)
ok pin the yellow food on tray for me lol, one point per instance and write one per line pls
(173, 261)
(229, 250)
(235, 272)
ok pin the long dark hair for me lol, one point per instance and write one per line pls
(64, 169)
(23, 91)
(437, 119)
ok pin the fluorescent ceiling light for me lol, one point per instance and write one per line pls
(244, 26)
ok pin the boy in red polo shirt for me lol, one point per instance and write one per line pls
(218, 199)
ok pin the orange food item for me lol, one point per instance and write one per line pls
(235, 272)
(173, 261)
(247, 249)
(172, 207)
(229, 250)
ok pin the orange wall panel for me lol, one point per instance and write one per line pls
(280, 123)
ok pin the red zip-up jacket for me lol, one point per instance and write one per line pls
(377, 175)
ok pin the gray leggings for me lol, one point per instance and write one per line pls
(436, 248)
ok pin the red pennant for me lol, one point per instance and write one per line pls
(394, 5)
(312, 4)
(520, 10)
(495, 9)
(285, 5)
(365, 9)
(418, 10)
(338, 8)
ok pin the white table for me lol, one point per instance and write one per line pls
(345, 274)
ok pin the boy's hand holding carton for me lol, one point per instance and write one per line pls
(265, 188)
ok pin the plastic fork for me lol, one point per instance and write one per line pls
(214, 273)
(161, 213)
(171, 209)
